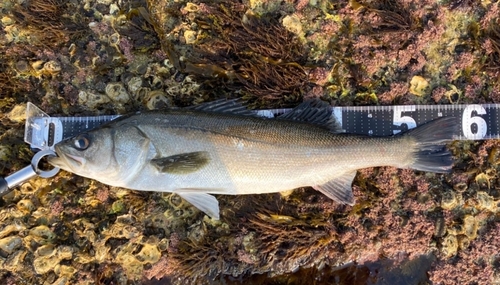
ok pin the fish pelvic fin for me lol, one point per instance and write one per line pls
(339, 189)
(203, 201)
(431, 154)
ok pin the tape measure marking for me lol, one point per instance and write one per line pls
(476, 121)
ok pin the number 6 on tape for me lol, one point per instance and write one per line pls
(471, 121)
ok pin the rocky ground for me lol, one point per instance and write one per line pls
(95, 57)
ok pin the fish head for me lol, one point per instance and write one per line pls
(89, 154)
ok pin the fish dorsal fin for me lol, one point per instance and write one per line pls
(314, 112)
(339, 189)
(203, 201)
(183, 163)
(232, 106)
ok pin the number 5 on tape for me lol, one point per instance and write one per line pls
(476, 121)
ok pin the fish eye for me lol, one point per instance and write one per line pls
(81, 142)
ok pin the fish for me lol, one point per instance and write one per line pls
(223, 148)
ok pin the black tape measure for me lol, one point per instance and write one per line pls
(476, 121)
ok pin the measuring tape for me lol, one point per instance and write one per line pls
(476, 121)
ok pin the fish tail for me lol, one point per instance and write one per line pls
(431, 153)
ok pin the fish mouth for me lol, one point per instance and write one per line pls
(55, 161)
(78, 159)
(65, 160)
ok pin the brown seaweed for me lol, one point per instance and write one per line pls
(51, 22)
(244, 52)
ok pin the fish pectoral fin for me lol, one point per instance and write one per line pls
(203, 201)
(183, 163)
(339, 189)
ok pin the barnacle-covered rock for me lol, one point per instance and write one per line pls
(440, 227)
(132, 266)
(42, 216)
(9, 244)
(48, 257)
(13, 34)
(419, 86)
(92, 100)
(11, 228)
(149, 253)
(18, 113)
(30, 187)
(292, 23)
(123, 228)
(15, 261)
(486, 202)
(101, 251)
(456, 229)
(450, 200)
(134, 84)
(157, 100)
(250, 247)
(114, 41)
(133, 260)
(460, 187)
(52, 67)
(249, 51)
(470, 227)
(22, 67)
(7, 21)
(26, 206)
(181, 208)
(38, 66)
(190, 8)
(16, 213)
(483, 179)
(188, 88)
(261, 6)
(65, 273)
(141, 93)
(190, 37)
(4, 152)
(42, 234)
(450, 245)
(463, 242)
(176, 201)
(117, 92)
(197, 232)
(117, 207)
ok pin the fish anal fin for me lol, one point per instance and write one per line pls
(203, 201)
(183, 163)
(339, 189)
